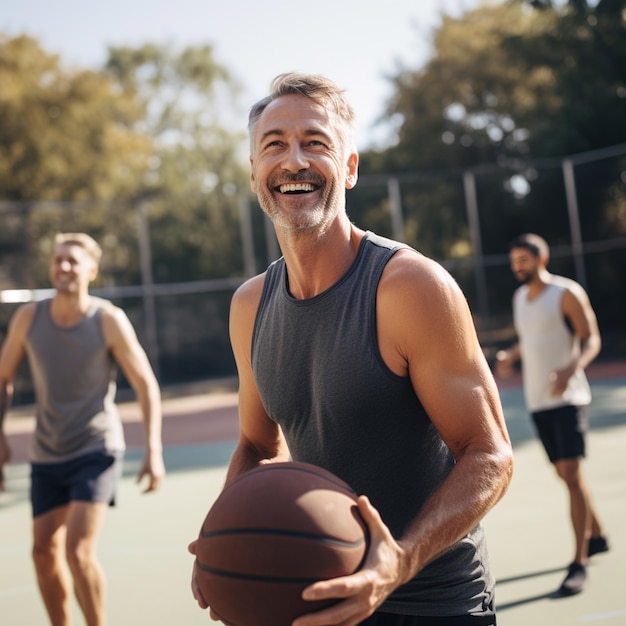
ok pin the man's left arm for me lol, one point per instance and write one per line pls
(133, 361)
(426, 331)
(578, 310)
(456, 387)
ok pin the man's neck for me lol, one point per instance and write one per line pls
(538, 284)
(68, 309)
(314, 265)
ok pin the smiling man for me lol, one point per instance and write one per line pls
(358, 354)
(73, 342)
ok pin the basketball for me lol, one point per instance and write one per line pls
(272, 532)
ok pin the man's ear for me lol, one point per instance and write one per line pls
(352, 170)
(252, 179)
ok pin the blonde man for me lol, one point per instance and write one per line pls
(74, 342)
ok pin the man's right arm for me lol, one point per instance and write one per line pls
(260, 438)
(11, 355)
(506, 359)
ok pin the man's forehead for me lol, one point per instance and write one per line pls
(287, 111)
(68, 248)
(521, 253)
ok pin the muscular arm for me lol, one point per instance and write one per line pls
(433, 337)
(578, 310)
(13, 351)
(260, 438)
(131, 357)
(425, 331)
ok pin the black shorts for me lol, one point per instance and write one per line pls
(483, 618)
(562, 431)
(92, 477)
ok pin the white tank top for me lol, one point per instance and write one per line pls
(547, 344)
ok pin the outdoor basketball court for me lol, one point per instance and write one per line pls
(144, 543)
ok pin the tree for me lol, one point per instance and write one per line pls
(64, 134)
(519, 87)
(196, 167)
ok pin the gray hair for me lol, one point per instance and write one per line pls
(317, 88)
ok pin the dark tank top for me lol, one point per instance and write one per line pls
(321, 377)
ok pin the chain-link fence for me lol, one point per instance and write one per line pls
(464, 219)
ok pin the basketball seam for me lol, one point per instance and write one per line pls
(239, 576)
(284, 533)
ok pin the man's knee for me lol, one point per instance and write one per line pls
(45, 556)
(80, 556)
(568, 470)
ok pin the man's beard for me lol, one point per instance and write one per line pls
(302, 216)
(523, 277)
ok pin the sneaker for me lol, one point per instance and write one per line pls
(597, 545)
(574, 581)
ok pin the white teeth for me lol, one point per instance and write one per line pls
(290, 187)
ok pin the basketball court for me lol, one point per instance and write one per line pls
(144, 542)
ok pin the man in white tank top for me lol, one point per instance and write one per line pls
(558, 338)
(73, 341)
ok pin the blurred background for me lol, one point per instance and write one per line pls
(477, 122)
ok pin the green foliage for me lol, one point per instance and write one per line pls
(64, 134)
(195, 170)
(152, 127)
(519, 87)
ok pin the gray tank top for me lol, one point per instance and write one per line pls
(74, 377)
(322, 379)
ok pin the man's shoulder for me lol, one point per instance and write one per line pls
(25, 313)
(249, 292)
(567, 284)
(385, 242)
(96, 302)
(107, 312)
(563, 281)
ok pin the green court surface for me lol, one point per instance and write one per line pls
(144, 542)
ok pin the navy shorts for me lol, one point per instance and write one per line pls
(484, 618)
(562, 431)
(92, 477)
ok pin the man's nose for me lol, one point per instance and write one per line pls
(295, 160)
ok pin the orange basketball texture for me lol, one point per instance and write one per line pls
(271, 533)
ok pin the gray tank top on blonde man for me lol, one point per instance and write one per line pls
(74, 377)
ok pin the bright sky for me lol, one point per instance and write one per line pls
(354, 42)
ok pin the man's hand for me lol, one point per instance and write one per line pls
(154, 468)
(367, 589)
(195, 587)
(504, 364)
(5, 457)
(559, 379)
